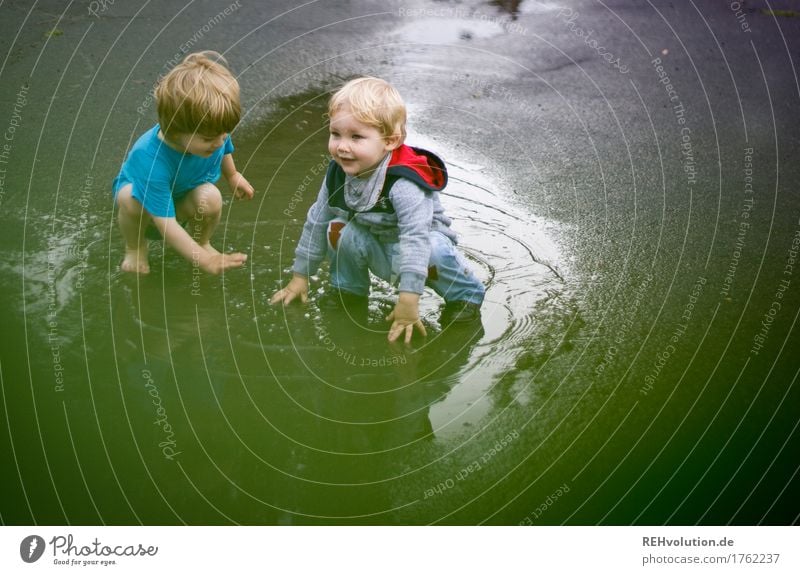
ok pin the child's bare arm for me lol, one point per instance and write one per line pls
(239, 185)
(209, 261)
(297, 286)
(405, 317)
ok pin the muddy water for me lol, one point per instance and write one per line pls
(181, 398)
(177, 387)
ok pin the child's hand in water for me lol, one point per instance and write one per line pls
(297, 286)
(240, 187)
(216, 263)
(405, 317)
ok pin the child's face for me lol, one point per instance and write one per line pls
(198, 144)
(357, 147)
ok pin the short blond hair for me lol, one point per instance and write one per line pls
(374, 102)
(199, 95)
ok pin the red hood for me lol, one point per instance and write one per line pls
(421, 166)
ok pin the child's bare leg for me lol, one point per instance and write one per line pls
(133, 221)
(201, 209)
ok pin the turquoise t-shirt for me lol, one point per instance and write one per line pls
(160, 174)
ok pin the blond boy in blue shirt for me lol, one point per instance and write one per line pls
(170, 173)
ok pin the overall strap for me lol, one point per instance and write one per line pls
(334, 182)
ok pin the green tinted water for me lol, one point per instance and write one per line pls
(183, 398)
(608, 381)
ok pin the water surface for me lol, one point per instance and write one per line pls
(185, 387)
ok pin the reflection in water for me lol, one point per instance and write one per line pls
(383, 393)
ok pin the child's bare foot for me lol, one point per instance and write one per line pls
(210, 249)
(135, 261)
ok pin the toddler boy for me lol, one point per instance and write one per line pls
(378, 210)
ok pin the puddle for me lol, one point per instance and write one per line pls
(459, 370)
(294, 396)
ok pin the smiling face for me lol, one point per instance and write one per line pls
(357, 147)
(197, 144)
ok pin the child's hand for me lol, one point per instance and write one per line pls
(216, 263)
(240, 187)
(298, 285)
(405, 317)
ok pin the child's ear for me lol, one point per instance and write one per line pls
(393, 142)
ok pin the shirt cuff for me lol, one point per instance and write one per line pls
(305, 267)
(412, 282)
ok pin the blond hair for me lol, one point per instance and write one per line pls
(199, 95)
(374, 102)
